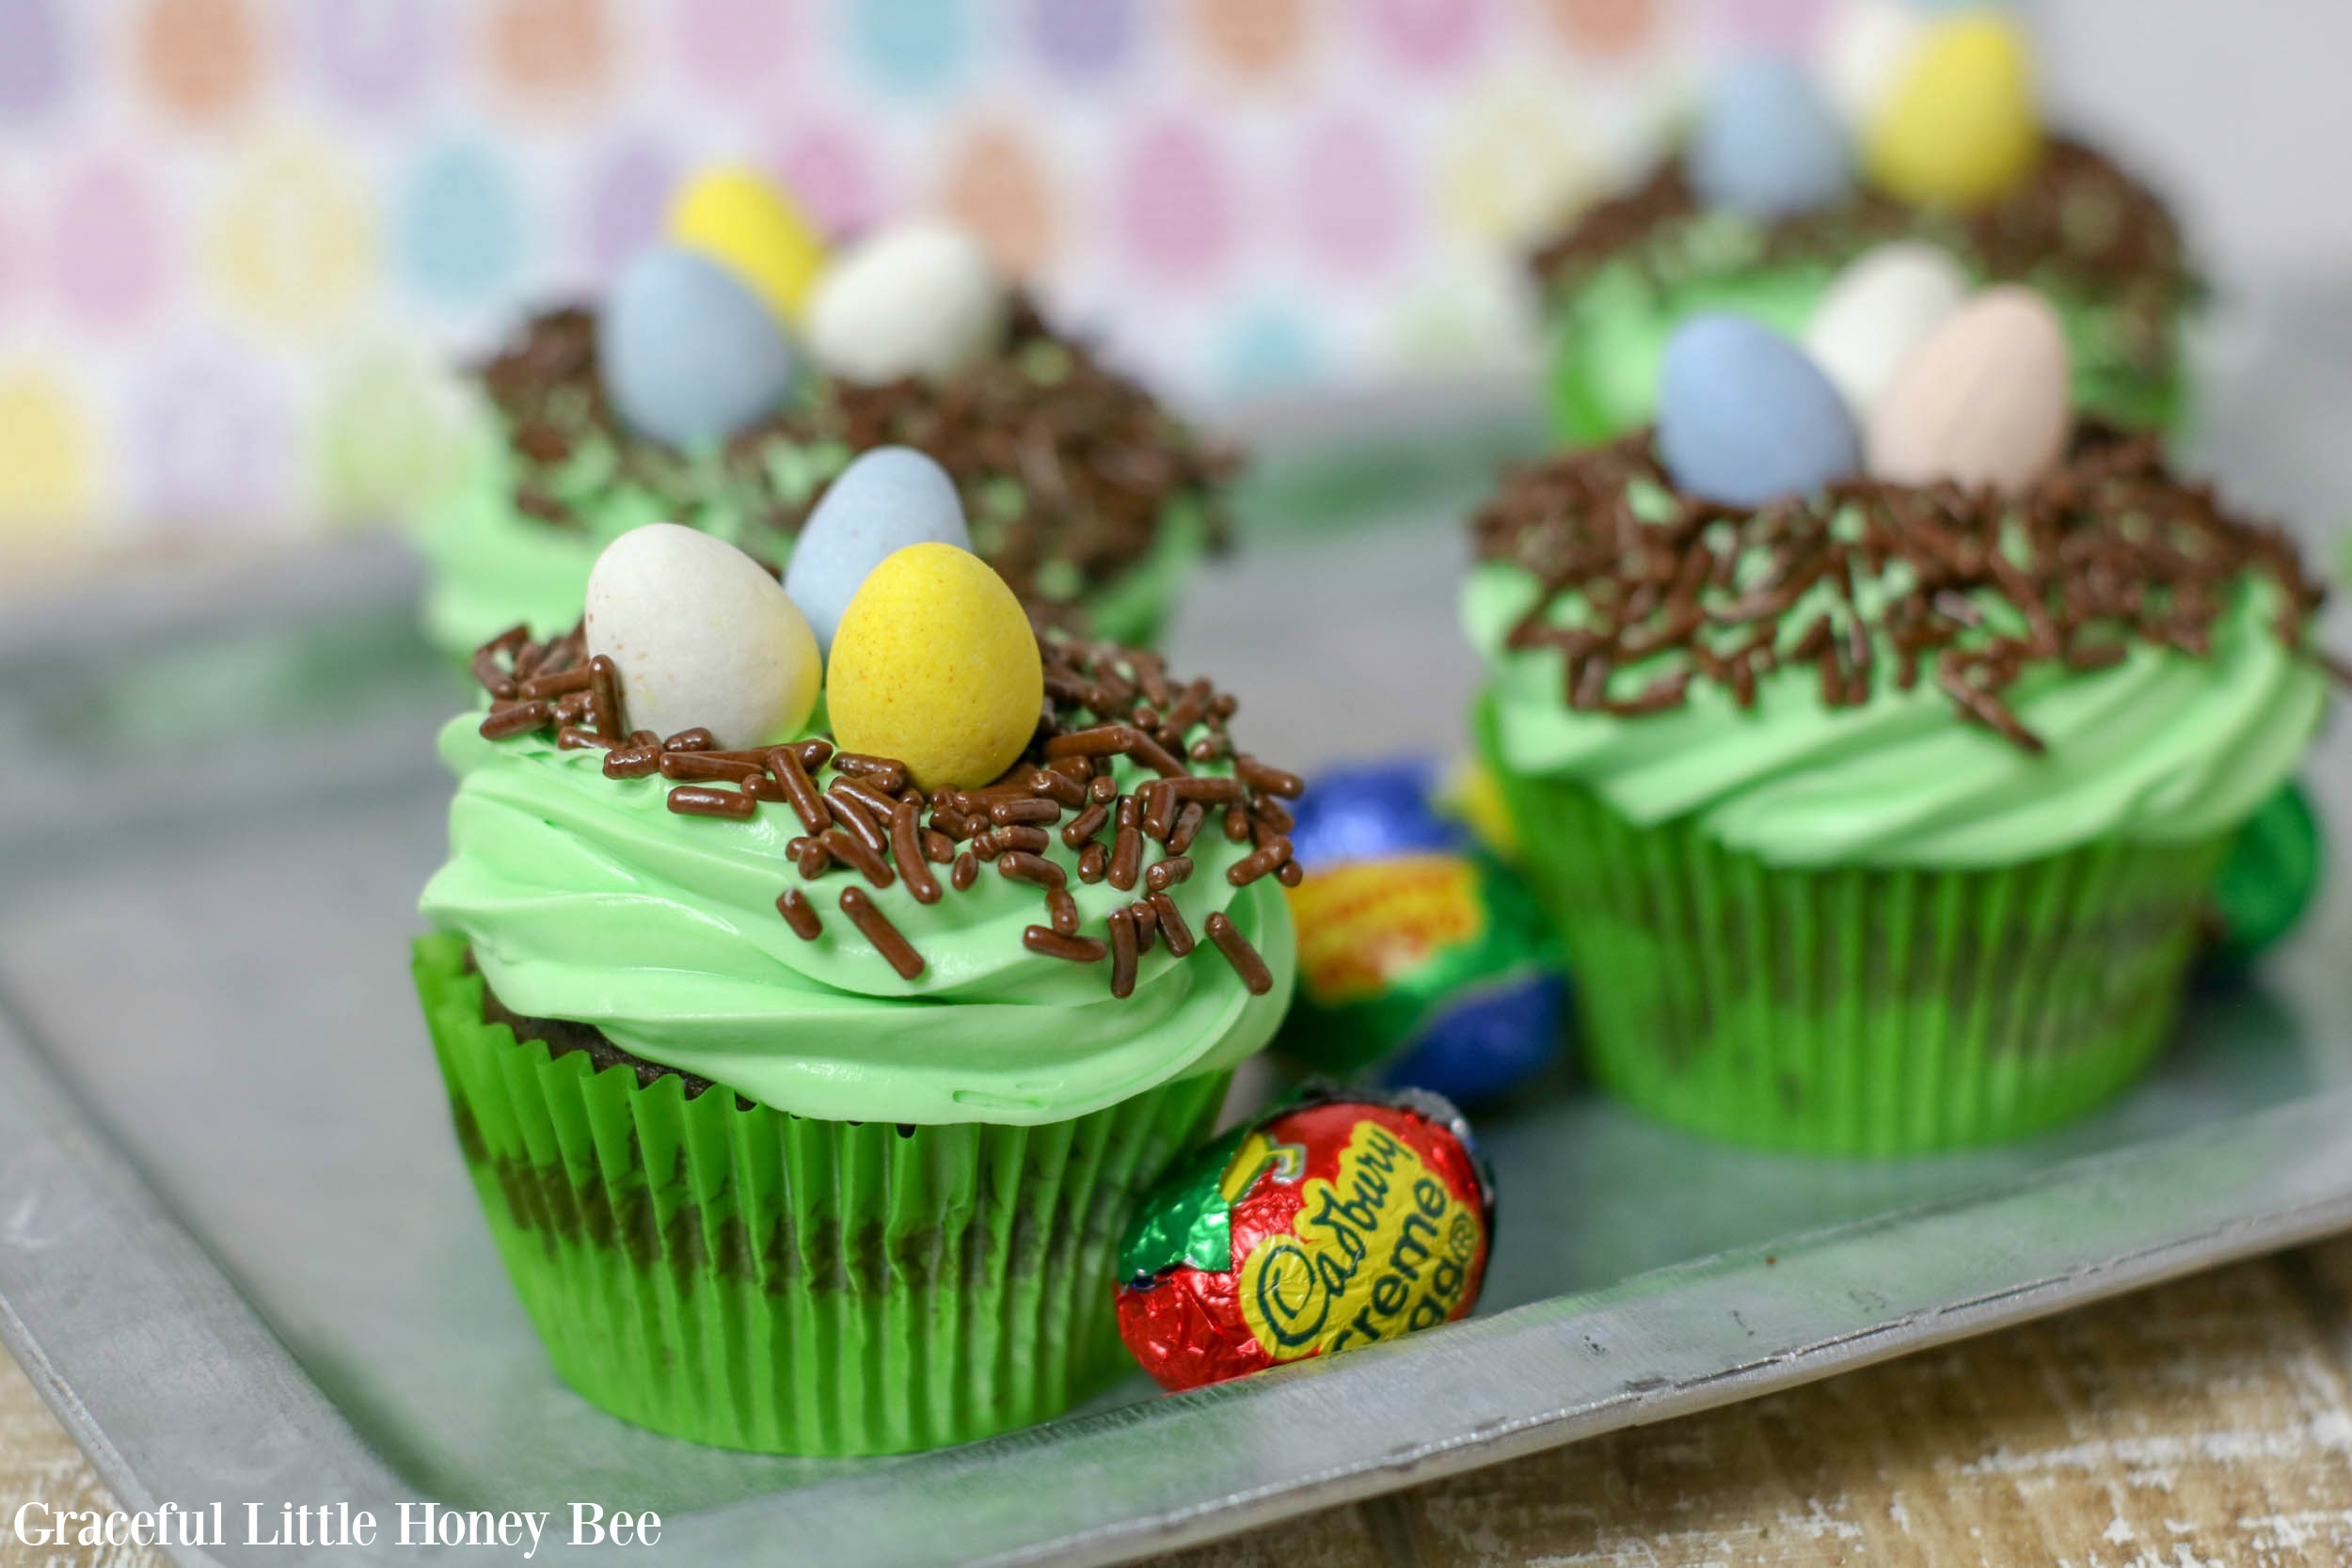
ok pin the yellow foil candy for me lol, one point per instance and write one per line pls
(1959, 128)
(747, 226)
(935, 664)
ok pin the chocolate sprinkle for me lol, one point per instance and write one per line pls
(698, 800)
(2108, 548)
(798, 913)
(880, 932)
(1055, 944)
(871, 819)
(1238, 953)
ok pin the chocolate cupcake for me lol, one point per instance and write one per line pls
(1776, 199)
(1880, 818)
(807, 1091)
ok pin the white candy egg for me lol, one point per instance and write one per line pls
(701, 635)
(1861, 52)
(1876, 311)
(1986, 400)
(917, 298)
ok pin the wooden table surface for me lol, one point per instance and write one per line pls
(2202, 1423)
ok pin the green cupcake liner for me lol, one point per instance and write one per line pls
(736, 1275)
(1859, 1011)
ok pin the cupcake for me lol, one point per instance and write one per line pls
(1913, 149)
(693, 396)
(807, 1085)
(1878, 810)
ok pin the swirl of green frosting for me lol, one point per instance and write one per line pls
(494, 564)
(586, 898)
(2164, 747)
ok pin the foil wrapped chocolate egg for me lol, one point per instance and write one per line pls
(1423, 960)
(1323, 1225)
(2266, 885)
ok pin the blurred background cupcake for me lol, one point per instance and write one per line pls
(1876, 772)
(1899, 164)
(736, 369)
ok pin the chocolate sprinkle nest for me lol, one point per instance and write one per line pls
(868, 826)
(2106, 548)
(1065, 466)
(2077, 219)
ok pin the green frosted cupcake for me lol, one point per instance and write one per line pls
(797, 1144)
(1080, 489)
(1881, 821)
(2079, 231)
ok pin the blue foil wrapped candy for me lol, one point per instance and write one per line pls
(1423, 960)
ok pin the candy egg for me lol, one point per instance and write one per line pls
(686, 353)
(889, 499)
(745, 224)
(1959, 129)
(701, 635)
(1766, 146)
(917, 300)
(935, 664)
(1863, 50)
(1876, 311)
(1985, 400)
(1743, 417)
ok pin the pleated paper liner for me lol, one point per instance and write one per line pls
(751, 1279)
(1858, 1011)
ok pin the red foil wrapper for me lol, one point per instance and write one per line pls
(1325, 1225)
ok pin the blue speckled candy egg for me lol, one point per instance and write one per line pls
(1743, 417)
(1766, 145)
(889, 499)
(687, 354)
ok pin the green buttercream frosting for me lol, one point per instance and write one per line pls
(2164, 747)
(494, 564)
(586, 898)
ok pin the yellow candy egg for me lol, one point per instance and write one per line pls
(747, 226)
(935, 664)
(1958, 128)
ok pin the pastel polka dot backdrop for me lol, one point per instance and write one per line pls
(731, 45)
(917, 47)
(1428, 35)
(1176, 200)
(207, 439)
(830, 168)
(997, 187)
(35, 73)
(48, 458)
(243, 242)
(370, 57)
(628, 190)
(1085, 40)
(108, 246)
(200, 60)
(459, 222)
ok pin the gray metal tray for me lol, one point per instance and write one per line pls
(240, 1256)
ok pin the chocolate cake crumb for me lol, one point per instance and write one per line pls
(562, 1038)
